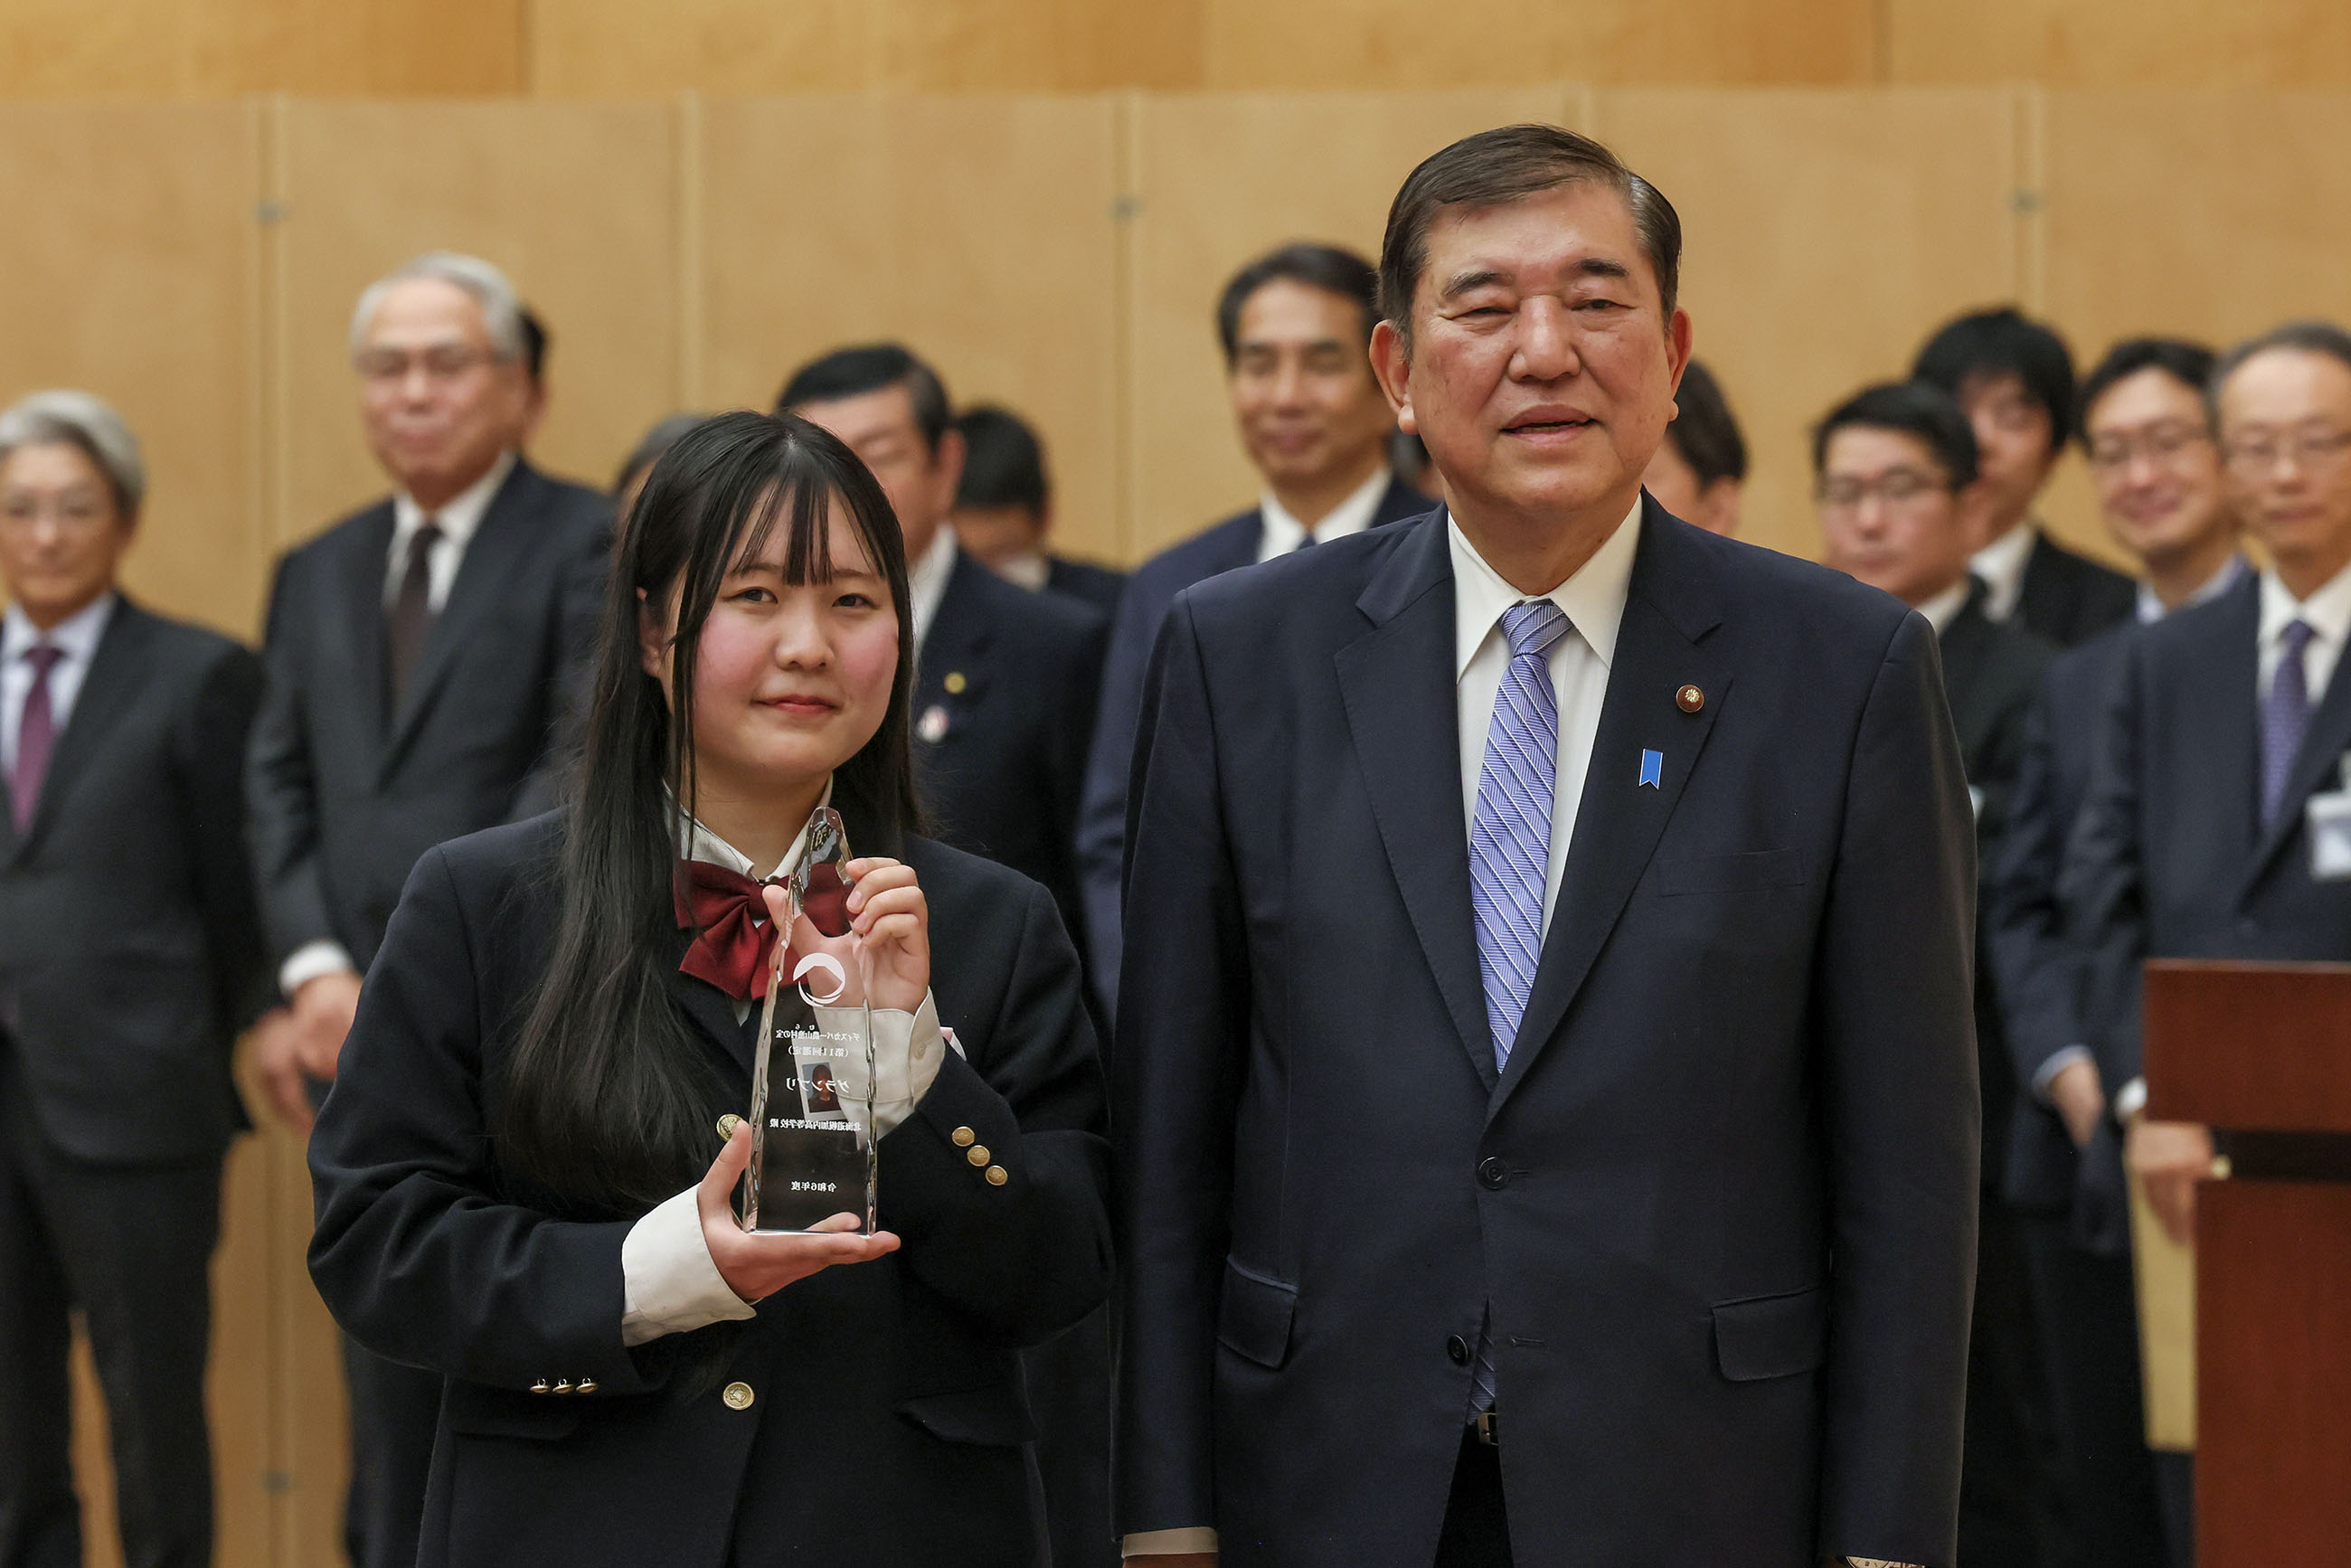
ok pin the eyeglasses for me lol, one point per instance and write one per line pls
(73, 514)
(2160, 442)
(440, 364)
(2254, 452)
(1895, 487)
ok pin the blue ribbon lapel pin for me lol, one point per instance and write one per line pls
(1652, 770)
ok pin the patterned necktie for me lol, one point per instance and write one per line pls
(1510, 837)
(412, 611)
(2286, 718)
(37, 739)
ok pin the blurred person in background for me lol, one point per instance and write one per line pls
(1702, 464)
(421, 654)
(1296, 328)
(2014, 378)
(535, 343)
(630, 481)
(2157, 470)
(130, 956)
(2228, 718)
(1895, 465)
(1004, 506)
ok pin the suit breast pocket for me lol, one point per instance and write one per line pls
(1684, 876)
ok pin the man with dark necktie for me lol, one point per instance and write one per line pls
(421, 654)
(2228, 718)
(1545, 1122)
(130, 955)
(1295, 327)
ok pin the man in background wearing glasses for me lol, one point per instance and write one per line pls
(2161, 492)
(1898, 476)
(2227, 731)
(420, 653)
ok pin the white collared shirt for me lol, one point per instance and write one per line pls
(77, 637)
(2327, 613)
(2150, 607)
(458, 521)
(668, 1282)
(926, 583)
(1031, 569)
(1593, 601)
(1941, 609)
(2000, 565)
(1280, 531)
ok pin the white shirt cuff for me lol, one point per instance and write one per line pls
(669, 1285)
(907, 1050)
(2059, 1061)
(1167, 1543)
(307, 963)
(2130, 1100)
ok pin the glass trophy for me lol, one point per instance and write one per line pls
(812, 1149)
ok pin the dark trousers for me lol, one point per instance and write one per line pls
(130, 1247)
(2175, 1489)
(2007, 1487)
(1476, 1532)
(2087, 1310)
(1068, 1380)
(394, 1410)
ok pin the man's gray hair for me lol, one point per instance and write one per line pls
(2305, 336)
(491, 289)
(77, 419)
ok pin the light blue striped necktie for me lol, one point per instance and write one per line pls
(1510, 848)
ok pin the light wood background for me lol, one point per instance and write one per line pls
(195, 262)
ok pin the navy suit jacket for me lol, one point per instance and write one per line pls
(2068, 598)
(1096, 586)
(2169, 859)
(2040, 973)
(1721, 1202)
(1142, 611)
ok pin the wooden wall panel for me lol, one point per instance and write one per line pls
(579, 202)
(979, 232)
(1826, 233)
(2121, 43)
(1219, 179)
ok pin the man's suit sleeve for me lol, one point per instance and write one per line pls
(2102, 887)
(1076, 703)
(1182, 1035)
(1102, 810)
(210, 749)
(2037, 970)
(1900, 1113)
(281, 783)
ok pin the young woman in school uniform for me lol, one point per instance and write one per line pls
(521, 1183)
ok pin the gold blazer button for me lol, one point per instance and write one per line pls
(739, 1396)
(978, 1155)
(963, 1137)
(998, 1176)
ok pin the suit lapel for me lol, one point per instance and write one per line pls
(1669, 607)
(1396, 683)
(710, 1009)
(110, 687)
(361, 573)
(483, 575)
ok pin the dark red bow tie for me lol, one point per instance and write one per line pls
(735, 949)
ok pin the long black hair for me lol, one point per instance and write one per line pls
(608, 1102)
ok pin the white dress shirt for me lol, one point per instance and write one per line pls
(926, 583)
(75, 637)
(1941, 609)
(2000, 565)
(669, 1284)
(458, 522)
(1280, 532)
(1593, 601)
(1031, 569)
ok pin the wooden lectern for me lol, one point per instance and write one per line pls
(2262, 1053)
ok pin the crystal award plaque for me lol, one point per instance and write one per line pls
(812, 1150)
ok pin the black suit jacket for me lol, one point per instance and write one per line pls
(2040, 972)
(1722, 1201)
(1004, 704)
(1142, 611)
(1991, 672)
(2169, 859)
(887, 1419)
(1096, 586)
(2067, 599)
(130, 944)
(345, 794)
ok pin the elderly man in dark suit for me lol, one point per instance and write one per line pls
(2227, 718)
(1295, 326)
(2014, 378)
(130, 955)
(421, 655)
(1545, 1122)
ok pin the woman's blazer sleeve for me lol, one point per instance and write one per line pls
(415, 1253)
